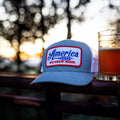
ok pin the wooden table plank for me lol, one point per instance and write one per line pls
(24, 80)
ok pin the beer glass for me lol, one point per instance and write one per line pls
(109, 55)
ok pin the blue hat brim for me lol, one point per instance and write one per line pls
(70, 78)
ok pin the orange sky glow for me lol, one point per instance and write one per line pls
(86, 32)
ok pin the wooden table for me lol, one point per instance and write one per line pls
(54, 106)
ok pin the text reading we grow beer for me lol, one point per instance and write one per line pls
(64, 55)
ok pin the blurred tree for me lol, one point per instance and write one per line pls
(27, 19)
(71, 15)
(116, 7)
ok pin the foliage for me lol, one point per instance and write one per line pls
(28, 20)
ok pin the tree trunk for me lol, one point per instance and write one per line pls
(69, 20)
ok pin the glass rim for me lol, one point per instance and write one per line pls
(108, 32)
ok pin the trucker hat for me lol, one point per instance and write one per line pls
(68, 62)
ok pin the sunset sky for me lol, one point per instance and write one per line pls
(86, 31)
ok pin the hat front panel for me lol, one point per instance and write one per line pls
(84, 65)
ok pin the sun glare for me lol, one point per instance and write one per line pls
(6, 50)
(29, 49)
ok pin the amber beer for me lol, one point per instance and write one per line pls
(109, 61)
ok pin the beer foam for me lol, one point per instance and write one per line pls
(114, 48)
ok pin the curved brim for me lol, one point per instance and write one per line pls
(70, 78)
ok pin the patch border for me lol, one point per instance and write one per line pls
(63, 64)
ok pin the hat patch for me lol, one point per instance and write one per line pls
(64, 56)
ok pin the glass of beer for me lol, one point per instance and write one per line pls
(109, 55)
